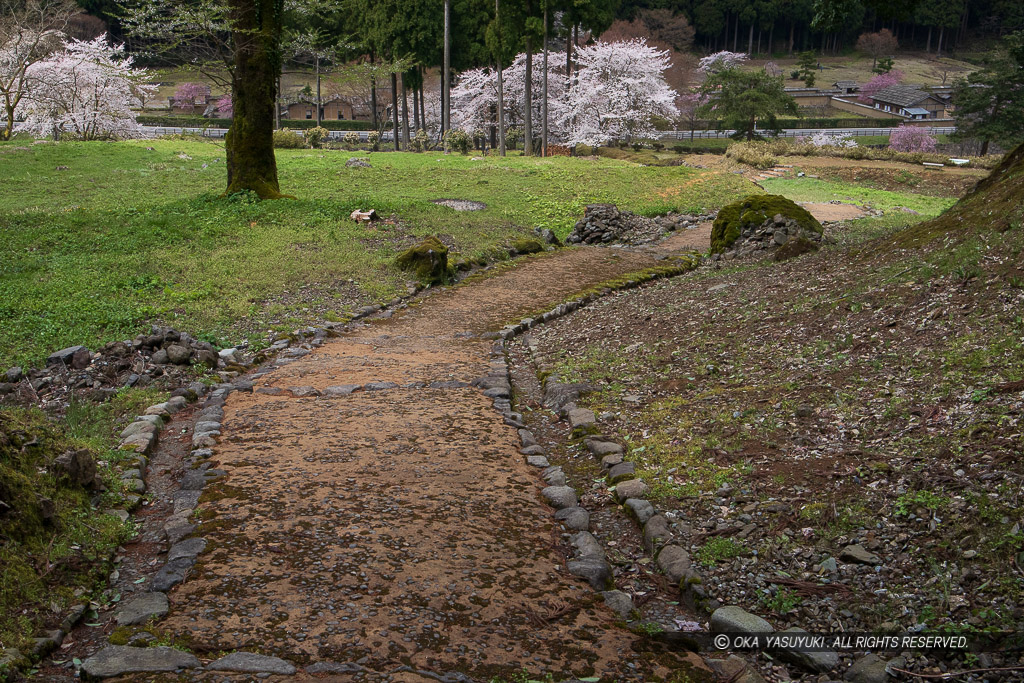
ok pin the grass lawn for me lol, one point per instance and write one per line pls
(816, 190)
(101, 239)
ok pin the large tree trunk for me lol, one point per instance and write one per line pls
(928, 47)
(792, 30)
(544, 89)
(249, 143)
(938, 47)
(501, 94)
(405, 116)
(415, 109)
(750, 40)
(394, 110)
(528, 121)
(373, 95)
(319, 101)
(446, 76)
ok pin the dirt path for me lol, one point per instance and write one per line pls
(397, 528)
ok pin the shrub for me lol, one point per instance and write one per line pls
(421, 141)
(457, 141)
(373, 137)
(316, 136)
(351, 139)
(753, 211)
(911, 139)
(287, 139)
(513, 136)
(756, 154)
(678, 149)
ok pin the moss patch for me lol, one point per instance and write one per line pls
(752, 211)
(428, 260)
(527, 247)
(52, 541)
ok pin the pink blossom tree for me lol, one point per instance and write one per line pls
(878, 83)
(225, 107)
(87, 90)
(616, 92)
(911, 139)
(187, 95)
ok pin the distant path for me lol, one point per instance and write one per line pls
(400, 526)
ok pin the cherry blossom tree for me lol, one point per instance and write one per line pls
(87, 90)
(187, 94)
(720, 61)
(225, 107)
(29, 32)
(879, 82)
(474, 98)
(911, 139)
(616, 91)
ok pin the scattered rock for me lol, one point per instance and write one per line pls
(560, 496)
(619, 602)
(815, 662)
(575, 518)
(178, 354)
(634, 488)
(858, 554)
(674, 562)
(594, 569)
(733, 619)
(78, 465)
(117, 660)
(141, 609)
(249, 662)
(868, 669)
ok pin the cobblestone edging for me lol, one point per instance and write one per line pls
(662, 538)
(142, 436)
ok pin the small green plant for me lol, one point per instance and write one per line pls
(782, 601)
(912, 500)
(884, 65)
(316, 136)
(718, 549)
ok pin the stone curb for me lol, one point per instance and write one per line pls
(630, 492)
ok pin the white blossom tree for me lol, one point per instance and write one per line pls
(29, 32)
(86, 90)
(720, 61)
(474, 98)
(616, 92)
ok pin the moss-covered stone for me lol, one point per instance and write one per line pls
(751, 212)
(428, 260)
(798, 246)
(526, 247)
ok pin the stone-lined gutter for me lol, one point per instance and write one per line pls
(661, 537)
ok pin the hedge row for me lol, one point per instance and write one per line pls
(809, 122)
(199, 122)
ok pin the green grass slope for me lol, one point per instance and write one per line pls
(100, 239)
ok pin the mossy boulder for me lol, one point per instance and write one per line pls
(526, 247)
(753, 211)
(428, 260)
(798, 246)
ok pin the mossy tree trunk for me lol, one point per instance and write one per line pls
(256, 34)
